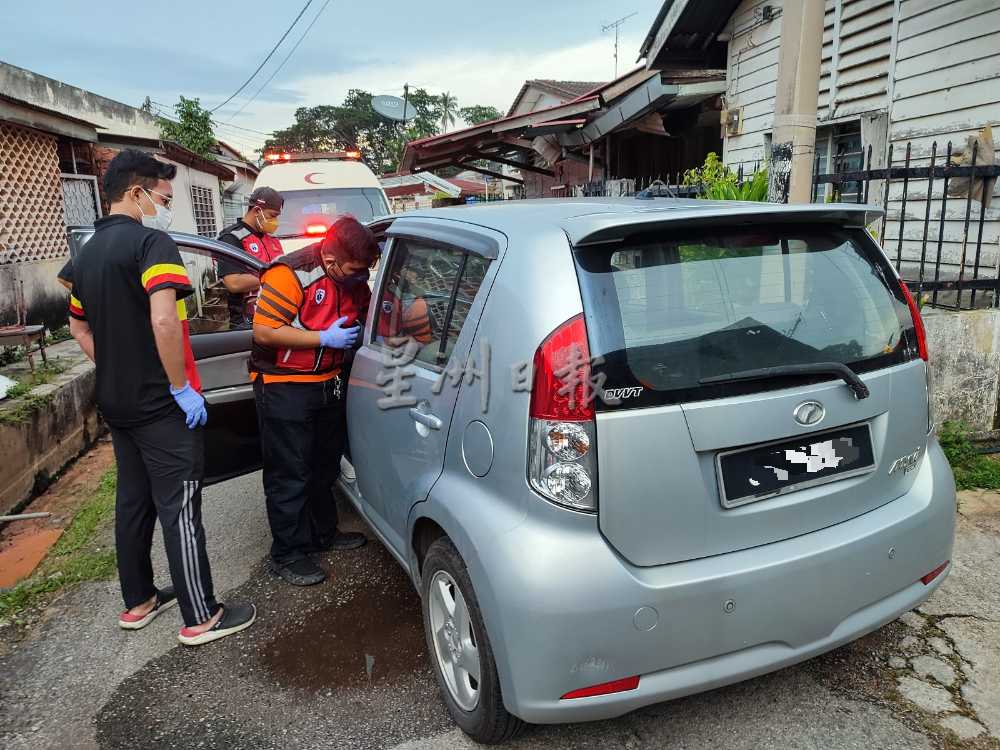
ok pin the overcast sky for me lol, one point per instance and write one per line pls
(481, 52)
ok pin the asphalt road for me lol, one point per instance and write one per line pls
(299, 677)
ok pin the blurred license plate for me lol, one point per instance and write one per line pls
(787, 465)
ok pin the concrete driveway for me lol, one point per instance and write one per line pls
(300, 676)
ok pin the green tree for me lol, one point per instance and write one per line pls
(355, 125)
(448, 110)
(425, 124)
(479, 114)
(193, 129)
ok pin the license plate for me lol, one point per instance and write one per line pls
(784, 466)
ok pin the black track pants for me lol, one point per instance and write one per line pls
(160, 469)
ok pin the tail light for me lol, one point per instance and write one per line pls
(562, 445)
(314, 229)
(918, 323)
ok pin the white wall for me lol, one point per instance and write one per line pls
(911, 71)
(752, 82)
(945, 86)
(535, 100)
(183, 210)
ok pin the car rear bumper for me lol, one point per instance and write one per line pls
(565, 612)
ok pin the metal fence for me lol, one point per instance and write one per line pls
(669, 185)
(925, 207)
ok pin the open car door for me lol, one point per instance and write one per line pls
(232, 436)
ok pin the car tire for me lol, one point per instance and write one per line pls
(453, 626)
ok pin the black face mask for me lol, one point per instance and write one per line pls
(354, 280)
(348, 281)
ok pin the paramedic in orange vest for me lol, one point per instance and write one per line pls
(253, 235)
(311, 306)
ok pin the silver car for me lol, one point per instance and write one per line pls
(629, 450)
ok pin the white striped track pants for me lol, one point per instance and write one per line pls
(160, 469)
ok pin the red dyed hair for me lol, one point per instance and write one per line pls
(351, 240)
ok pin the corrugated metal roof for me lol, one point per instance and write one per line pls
(427, 178)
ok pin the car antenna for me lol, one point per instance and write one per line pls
(660, 185)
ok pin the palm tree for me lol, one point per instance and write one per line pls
(448, 110)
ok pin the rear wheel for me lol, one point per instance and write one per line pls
(460, 649)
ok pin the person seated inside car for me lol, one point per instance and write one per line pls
(405, 315)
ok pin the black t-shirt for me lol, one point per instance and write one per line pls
(235, 299)
(113, 276)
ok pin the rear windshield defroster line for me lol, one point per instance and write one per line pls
(684, 316)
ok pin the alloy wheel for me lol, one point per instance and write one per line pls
(454, 641)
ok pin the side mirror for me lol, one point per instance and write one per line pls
(249, 308)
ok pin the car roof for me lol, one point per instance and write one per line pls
(592, 220)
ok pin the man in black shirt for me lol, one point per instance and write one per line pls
(125, 314)
(251, 234)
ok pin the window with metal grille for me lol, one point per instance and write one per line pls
(838, 149)
(204, 211)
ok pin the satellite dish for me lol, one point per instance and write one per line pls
(392, 107)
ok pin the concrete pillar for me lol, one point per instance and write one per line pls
(793, 143)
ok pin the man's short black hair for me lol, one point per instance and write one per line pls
(133, 167)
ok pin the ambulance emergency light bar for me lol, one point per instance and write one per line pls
(313, 156)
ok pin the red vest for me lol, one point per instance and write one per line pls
(264, 247)
(324, 302)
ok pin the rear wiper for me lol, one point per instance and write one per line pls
(818, 368)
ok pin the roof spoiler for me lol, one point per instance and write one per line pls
(669, 213)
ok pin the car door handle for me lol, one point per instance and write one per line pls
(427, 420)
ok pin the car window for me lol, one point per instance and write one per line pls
(681, 309)
(426, 296)
(208, 308)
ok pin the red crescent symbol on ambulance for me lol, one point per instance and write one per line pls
(311, 181)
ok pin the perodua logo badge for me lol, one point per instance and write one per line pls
(809, 413)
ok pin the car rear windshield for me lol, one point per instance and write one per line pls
(667, 310)
(305, 208)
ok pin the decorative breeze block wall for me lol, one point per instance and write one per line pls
(32, 217)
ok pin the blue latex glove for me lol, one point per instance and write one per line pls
(336, 337)
(193, 405)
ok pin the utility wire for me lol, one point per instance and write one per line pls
(282, 62)
(216, 123)
(275, 49)
(230, 138)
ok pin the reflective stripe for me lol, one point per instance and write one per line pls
(275, 318)
(270, 290)
(266, 301)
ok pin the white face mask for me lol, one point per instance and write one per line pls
(160, 220)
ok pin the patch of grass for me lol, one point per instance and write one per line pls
(972, 471)
(11, 354)
(18, 413)
(59, 334)
(27, 406)
(73, 559)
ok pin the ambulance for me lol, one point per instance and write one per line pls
(317, 188)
